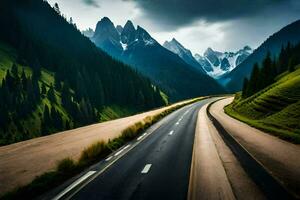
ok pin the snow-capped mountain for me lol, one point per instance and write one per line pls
(136, 48)
(183, 53)
(217, 63)
(118, 40)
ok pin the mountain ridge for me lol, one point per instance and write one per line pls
(162, 66)
(217, 64)
(273, 44)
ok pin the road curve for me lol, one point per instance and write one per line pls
(280, 158)
(157, 168)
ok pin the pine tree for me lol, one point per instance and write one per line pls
(245, 88)
(51, 94)
(56, 8)
(44, 89)
(24, 79)
(254, 84)
(267, 73)
(14, 70)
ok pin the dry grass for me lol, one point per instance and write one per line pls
(67, 167)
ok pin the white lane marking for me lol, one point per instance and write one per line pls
(171, 133)
(73, 185)
(139, 138)
(119, 152)
(107, 159)
(177, 123)
(146, 169)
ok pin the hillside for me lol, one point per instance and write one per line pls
(276, 109)
(137, 48)
(290, 33)
(53, 78)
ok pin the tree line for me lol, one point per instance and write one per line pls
(264, 75)
(86, 78)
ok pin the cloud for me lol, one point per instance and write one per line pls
(91, 3)
(172, 14)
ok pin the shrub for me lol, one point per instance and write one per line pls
(92, 153)
(66, 166)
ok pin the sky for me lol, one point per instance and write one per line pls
(224, 25)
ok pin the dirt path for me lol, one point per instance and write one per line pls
(20, 163)
(281, 158)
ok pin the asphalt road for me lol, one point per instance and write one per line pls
(157, 168)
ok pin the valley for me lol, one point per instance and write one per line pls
(149, 99)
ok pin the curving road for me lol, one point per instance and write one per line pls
(186, 155)
(157, 168)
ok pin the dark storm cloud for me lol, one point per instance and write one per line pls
(91, 3)
(175, 13)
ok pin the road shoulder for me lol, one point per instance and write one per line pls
(279, 157)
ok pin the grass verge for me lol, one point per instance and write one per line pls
(276, 130)
(68, 167)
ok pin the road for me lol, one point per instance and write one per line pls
(280, 158)
(187, 155)
(157, 168)
(21, 162)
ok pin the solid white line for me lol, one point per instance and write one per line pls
(146, 169)
(171, 133)
(107, 159)
(77, 182)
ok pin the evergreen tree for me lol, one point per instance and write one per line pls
(254, 82)
(14, 70)
(267, 73)
(24, 79)
(245, 88)
(56, 8)
(51, 94)
(44, 89)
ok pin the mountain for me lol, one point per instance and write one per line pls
(88, 32)
(53, 78)
(136, 47)
(217, 64)
(290, 33)
(107, 37)
(183, 53)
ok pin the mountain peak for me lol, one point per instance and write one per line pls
(119, 29)
(105, 30)
(247, 48)
(104, 23)
(129, 24)
(209, 51)
(128, 33)
(174, 40)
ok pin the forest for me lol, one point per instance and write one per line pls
(265, 75)
(85, 78)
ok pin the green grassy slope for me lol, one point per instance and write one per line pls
(276, 109)
(30, 126)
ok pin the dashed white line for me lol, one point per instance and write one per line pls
(139, 138)
(107, 159)
(171, 133)
(146, 169)
(119, 152)
(73, 185)
(177, 123)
